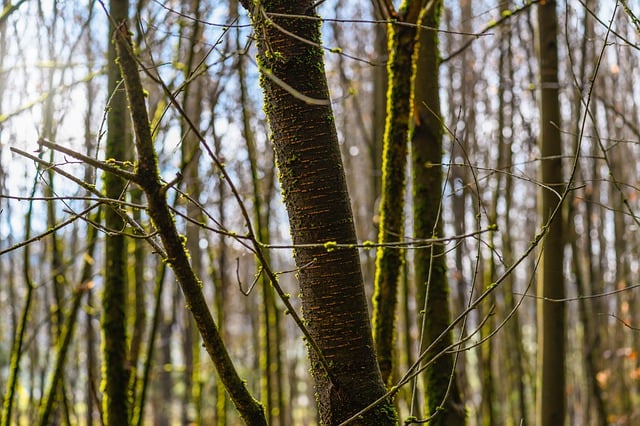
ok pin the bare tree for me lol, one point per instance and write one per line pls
(343, 362)
(551, 404)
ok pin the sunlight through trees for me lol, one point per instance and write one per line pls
(296, 212)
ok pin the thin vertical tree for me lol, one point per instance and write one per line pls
(582, 266)
(550, 403)
(441, 388)
(403, 41)
(514, 353)
(221, 282)
(17, 347)
(89, 176)
(59, 285)
(193, 97)
(115, 380)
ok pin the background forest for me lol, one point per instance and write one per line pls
(160, 269)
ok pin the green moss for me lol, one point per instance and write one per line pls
(274, 55)
(330, 246)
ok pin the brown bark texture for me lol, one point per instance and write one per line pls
(551, 405)
(312, 178)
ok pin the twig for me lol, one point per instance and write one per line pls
(115, 204)
(253, 283)
(102, 165)
(625, 323)
(491, 25)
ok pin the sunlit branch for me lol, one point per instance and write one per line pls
(50, 230)
(92, 189)
(283, 30)
(103, 200)
(102, 165)
(88, 187)
(608, 26)
(292, 91)
(625, 323)
(414, 243)
(504, 17)
(43, 97)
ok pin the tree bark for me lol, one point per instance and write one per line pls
(389, 259)
(314, 189)
(115, 382)
(551, 315)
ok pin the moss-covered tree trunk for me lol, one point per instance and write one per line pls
(551, 404)
(314, 189)
(115, 378)
(441, 390)
(402, 46)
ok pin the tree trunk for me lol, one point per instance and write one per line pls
(314, 188)
(190, 151)
(514, 353)
(389, 259)
(441, 390)
(114, 339)
(221, 284)
(551, 315)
